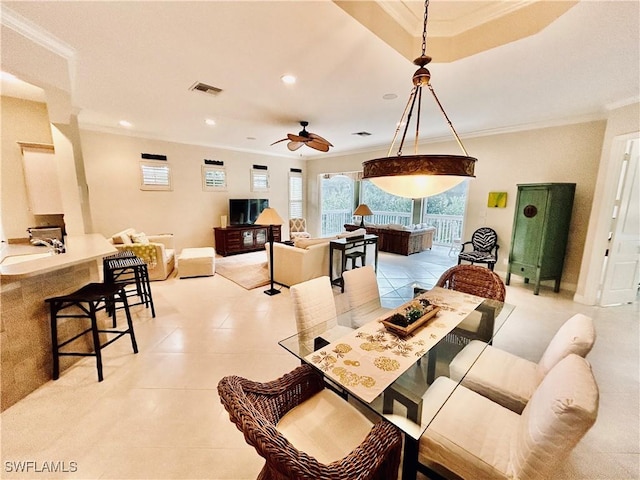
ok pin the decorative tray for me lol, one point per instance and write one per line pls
(404, 331)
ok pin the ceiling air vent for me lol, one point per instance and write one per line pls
(361, 134)
(204, 88)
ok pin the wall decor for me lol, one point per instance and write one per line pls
(497, 200)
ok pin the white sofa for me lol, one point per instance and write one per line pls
(157, 251)
(308, 258)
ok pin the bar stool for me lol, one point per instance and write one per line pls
(124, 268)
(96, 296)
(354, 256)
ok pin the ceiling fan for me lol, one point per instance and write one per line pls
(305, 138)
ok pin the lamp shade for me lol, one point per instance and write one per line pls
(416, 186)
(363, 210)
(269, 216)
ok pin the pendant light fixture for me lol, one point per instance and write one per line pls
(419, 175)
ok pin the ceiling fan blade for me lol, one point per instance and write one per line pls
(315, 144)
(293, 146)
(297, 138)
(319, 138)
(278, 141)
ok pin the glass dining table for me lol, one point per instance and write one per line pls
(388, 371)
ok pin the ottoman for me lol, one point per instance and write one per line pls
(197, 262)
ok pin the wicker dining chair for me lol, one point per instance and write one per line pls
(482, 282)
(258, 410)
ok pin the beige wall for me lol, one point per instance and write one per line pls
(22, 121)
(568, 153)
(112, 169)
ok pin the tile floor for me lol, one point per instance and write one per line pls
(157, 414)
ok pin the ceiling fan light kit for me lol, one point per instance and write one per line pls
(419, 175)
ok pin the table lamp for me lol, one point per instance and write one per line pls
(270, 217)
(363, 210)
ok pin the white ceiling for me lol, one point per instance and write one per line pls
(136, 61)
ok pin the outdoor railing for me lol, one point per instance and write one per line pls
(448, 227)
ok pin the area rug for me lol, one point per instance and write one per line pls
(249, 270)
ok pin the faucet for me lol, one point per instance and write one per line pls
(55, 246)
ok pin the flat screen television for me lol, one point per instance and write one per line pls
(244, 211)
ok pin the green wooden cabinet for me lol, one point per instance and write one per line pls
(540, 232)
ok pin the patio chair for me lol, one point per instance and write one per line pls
(483, 248)
(510, 380)
(305, 431)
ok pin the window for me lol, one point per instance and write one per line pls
(386, 208)
(214, 179)
(295, 195)
(155, 176)
(259, 180)
(336, 202)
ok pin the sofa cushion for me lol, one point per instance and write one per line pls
(307, 242)
(355, 233)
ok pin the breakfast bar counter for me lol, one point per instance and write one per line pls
(29, 275)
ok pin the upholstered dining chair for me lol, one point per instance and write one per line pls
(315, 312)
(481, 282)
(474, 437)
(363, 296)
(305, 431)
(298, 228)
(483, 248)
(510, 380)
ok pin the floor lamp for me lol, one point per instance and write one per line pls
(270, 217)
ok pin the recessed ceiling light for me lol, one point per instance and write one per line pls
(288, 79)
(124, 123)
(390, 96)
(210, 121)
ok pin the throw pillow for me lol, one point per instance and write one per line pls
(140, 237)
(121, 238)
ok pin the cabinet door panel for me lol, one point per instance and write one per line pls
(532, 205)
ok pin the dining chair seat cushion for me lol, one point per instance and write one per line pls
(325, 426)
(471, 432)
(496, 374)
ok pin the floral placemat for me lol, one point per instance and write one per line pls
(371, 358)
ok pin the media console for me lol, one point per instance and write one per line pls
(242, 239)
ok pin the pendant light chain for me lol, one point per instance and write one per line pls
(424, 28)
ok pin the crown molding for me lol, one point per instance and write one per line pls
(40, 36)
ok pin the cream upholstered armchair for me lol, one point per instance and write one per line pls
(157, 251)
(474, 437)
(510, 380)
(298, 228)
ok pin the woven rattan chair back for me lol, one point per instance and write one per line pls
(475, 280)
(256, 408)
